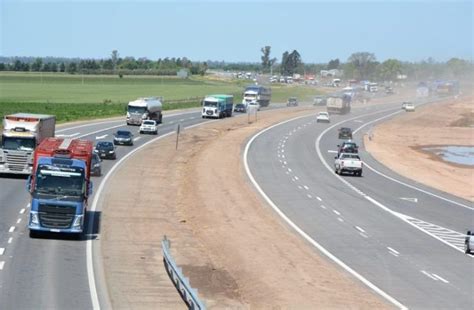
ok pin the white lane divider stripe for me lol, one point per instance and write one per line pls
(18, 221)
(1, 265)
(309, 196)
(429, 275)
(393, 250)
(340, 219)
(10, 240)
(336, 212)
(137, 138)
(359, 229)
(319, 198)
(2, 250)
(440, 278)
(306, 187)
(11, 229)
(22, 211)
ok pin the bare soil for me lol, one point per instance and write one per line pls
(399, 144)
(230, 244)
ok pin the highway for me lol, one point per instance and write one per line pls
(51, 272)
(400, 238)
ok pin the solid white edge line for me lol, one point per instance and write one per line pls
(428, 275)
(89, 254)
(440, 278)
(300, 231)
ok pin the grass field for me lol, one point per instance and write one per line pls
(72, 97)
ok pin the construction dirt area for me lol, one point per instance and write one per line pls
(231, 245)
(401, 144)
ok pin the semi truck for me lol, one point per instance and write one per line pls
(256, 95)
(338, 104)
(60, 186)
(144, 108)
(22, 132)
(217, 106)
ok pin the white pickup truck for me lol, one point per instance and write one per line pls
(348, 162)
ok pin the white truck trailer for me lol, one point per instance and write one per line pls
(22, 132)
(144, 108)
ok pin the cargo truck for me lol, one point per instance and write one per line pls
(60, 186)
(338, 104)
(144, 108)
(255, 95)
(22, 132)
(217, 106)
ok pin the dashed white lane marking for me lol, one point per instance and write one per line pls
(10, 240)
(340, 219)
(337, 212)
(1, 265)
(101, 137)
(309, 196)
(300, 187)
(283, 151)
(331, 151)
(182, 120)
(296, 178)
(319, 198)
(393, 250)
(440, 278)
(428, 275)
(284, 162)
(137, 138)
(28, 205)
(323, 206)
(359, 229)
(282, 156)
(289, 170)
(192, 117)
(11, 229)
(306, 187)
(364, 235)
(69, 136)
(22, 211)
(2, 250)
(18, 221)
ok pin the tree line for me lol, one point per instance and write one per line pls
(112, 65)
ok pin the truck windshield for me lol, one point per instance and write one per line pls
(212, 104)
(250, 96)
(18, 144)
(140, 110)
(63, 181)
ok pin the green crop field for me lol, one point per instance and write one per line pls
(72, 97)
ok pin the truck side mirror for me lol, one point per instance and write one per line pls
(28, 183)
(90, 189)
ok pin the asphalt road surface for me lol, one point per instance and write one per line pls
(404, 239)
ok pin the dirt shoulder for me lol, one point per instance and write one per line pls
(231, 245)
(399, 144)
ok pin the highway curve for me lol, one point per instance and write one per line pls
(402, 239)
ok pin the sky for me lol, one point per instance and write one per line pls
(235, 31)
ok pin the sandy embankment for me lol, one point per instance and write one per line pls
(399, 143)
(231, 245)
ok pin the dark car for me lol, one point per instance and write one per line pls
(96, 169)
(347, 147)
(292, 102)
(345, 133)
(105, 149)
(240, 107)
(123, 137)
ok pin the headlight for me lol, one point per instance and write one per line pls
(96, 151)
(34, 218)
(111, 152)
(77, 221)
(96, 165)
(128, 114)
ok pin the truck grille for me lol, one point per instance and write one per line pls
(17, 162)
(51, 216)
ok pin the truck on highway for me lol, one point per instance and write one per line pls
(217, 106)
(22, 132)
(338, 104)
(60, 186)
(348, 162)
(257, 96)
(144, 108)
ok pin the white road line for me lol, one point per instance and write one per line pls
(309, 196)
(68, 136)
(12, 228)
(296, 178)
(300, 231)
(182, 120)
(428, 275)
(319, 198)
(282, 156)
(22, 211)
(331, 151)
(1, 265)
(359, 229)
(440, 278)
(101, 137)
(137, 138)
(18, 221)
(300, 187)
(306, 187)
(323, 206)
(336, 212)
(28, 205)
(363, 235)
(394, 254)
(289, 170)
(284, 162)
(393, 250)
(10, 240)
(2, 250)
(340, 219)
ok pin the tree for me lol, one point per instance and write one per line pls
(71, 68)
(284, 61)
(457, 66)
(266, 61)
(364, 64)
(333, 64)
(62, 67)
(115, 58)
(37, 65)
(389, 69)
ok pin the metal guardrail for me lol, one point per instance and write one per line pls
(189, 295)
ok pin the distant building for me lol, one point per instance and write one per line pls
(182, 73)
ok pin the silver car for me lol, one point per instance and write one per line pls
(469, 242)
